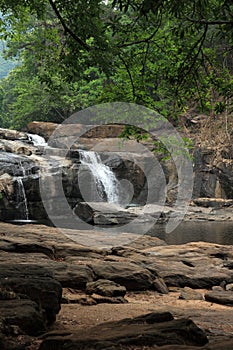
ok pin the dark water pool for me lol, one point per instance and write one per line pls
(214, 232)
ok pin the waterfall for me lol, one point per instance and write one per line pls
(106, 182)
(21, 198)
(37, 140)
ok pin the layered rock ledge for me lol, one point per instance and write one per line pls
(44, 275)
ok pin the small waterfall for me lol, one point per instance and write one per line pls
(37, 140)
(21, 198)
(105, 181)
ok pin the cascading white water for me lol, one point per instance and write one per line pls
(22, 199)
(105, 181)
(37, 140)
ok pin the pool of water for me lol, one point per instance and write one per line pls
(214, 232)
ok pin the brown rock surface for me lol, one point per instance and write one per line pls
(42, 257)
(151, 329)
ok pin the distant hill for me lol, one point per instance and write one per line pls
(5, 65)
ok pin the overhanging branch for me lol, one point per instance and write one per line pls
(66, 28)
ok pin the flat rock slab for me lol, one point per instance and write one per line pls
(221, 297)
(147, 330)
(197, 265)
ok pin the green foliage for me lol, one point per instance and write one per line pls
(166, 55)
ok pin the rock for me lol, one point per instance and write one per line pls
(212, 179)
(105, 299)
(8, 134)
(102, 213)
(190, 294)
(220, 297)
(127, 274)
(34, 282)
(84, 211)
(197, 265)
(105, 288)
(145, 241)
(213, 202)
(25, 314)
(160, 286)
(229, 287)
(44, 129)
(217, 288)
(148, 330)
(119, 218)
(17, 147)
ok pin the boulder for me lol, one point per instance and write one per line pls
(220, 297)
(127, 274)
(44, 129)
(105, 288)
(190, 294)
(147, 330)
(229, 287)
(8, 134)
(33, 282)
(23, 313)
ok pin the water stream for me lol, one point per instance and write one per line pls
(22, 200)
(37, 140)
(106, 183)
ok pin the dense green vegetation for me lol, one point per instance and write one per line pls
(166, 55)
(5, 67)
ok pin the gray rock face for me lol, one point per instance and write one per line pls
(19, 158)
(212, 179)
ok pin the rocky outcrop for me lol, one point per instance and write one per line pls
(44, 260)
(146, 330)
(212, 177)
(20, 161)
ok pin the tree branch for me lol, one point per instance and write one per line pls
(129, 74)
(66, 28)
(203, 21)
(146, 40)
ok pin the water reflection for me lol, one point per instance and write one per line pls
(214, 232)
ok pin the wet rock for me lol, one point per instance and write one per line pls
(147, 330)
(190, 294)
(12, 135)
(105, 288)
(220, 297)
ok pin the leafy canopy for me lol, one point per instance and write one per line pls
(163, 54)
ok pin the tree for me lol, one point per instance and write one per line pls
(162, 54)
